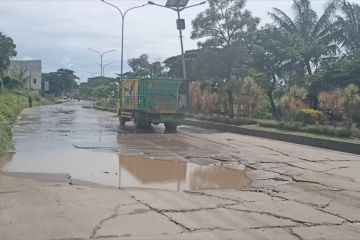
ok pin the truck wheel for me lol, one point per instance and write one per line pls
(122, 121)
(147, 124)
(170, 126)
(138, 120)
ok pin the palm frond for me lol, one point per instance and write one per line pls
(325, 21)
(283, 20)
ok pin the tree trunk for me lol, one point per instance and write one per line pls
(308, 67)
(271, 98)
(231, 103)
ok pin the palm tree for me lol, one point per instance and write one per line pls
(348, 26)
(313, 33)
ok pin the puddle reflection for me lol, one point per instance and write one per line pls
(139, 171)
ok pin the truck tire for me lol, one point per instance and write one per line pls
(122, 121)
(170, 126)
(139, 120)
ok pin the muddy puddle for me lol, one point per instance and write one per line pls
(101, 167)
(140, 171)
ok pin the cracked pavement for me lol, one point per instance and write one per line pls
(293, 191)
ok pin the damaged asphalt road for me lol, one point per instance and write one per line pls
(193, 184)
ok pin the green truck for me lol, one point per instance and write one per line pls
(153, 101)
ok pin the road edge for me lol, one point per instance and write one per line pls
(330, 144)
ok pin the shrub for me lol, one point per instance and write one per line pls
(309, 116)
(332, 102)
(249, 97)
(351, 103)
(263, 109)
(292, 101)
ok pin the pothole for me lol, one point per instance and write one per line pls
(143, 172)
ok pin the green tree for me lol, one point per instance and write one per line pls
(348, 26)
(63, 81)
(7, 51)
(314, 34)
(335, 73)
(174, 65)
(273, 56)
(225, 25)
(141, 67)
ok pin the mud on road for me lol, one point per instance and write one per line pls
(193, 184)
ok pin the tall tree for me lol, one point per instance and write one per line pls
(173, 65)
(141, 67)
(225, 25)
(273, 57)
(315, 33)
(61, 81)
(348, 26)
(7, 50)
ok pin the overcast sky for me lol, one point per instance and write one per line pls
(59, 32)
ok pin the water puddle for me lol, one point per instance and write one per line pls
(139, 171)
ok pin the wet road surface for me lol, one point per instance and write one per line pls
(195, 183)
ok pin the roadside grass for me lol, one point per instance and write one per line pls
(11, 105)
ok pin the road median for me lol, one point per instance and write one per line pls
(327, 143)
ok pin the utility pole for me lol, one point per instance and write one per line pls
(179, 6)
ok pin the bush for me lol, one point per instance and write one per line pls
(263, 109)
(292, 101)
(309, 116)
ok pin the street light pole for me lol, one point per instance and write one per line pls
(101, 54)
(104, 66)
(182, 47)
(123, 14)
(175, 6)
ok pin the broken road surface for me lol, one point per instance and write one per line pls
(193, 184)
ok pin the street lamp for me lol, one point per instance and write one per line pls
(178, 6)
(104, 66)
(123, 14)
(101, 54)
(92, 73)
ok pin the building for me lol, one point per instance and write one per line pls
(29, 72)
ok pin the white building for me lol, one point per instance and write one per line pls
(27, 71)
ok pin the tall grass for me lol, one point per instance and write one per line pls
(11, 105)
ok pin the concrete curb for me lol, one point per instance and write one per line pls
(348, 147)
(105, 109)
